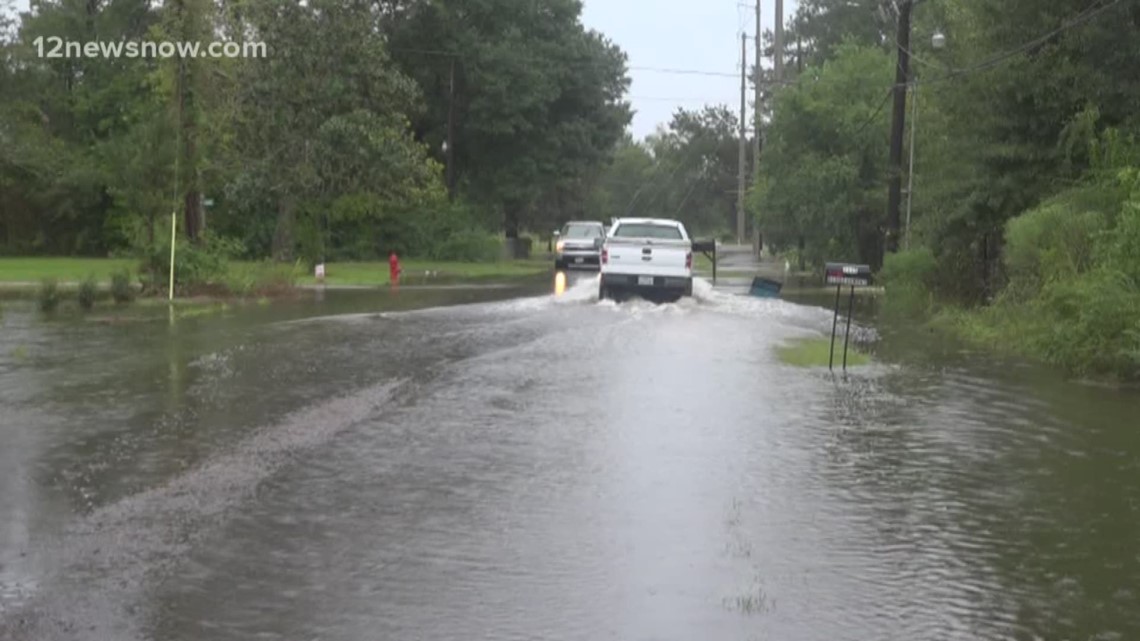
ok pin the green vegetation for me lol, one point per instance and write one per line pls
(216, 276)
(121, 289)
(49, 295)
(815, 352)
(63, 269)
(687, 171)
(1023, 235)
(326, 148)
(88, 292)
(372, 274)
(1071, 296)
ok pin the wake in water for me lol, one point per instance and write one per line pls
(581, 290)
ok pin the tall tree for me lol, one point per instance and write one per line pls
(822, 187)
(538, 98)
(332, 77)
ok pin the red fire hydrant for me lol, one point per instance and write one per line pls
(394, 268)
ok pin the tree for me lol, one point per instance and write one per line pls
(538, 98)
(329, 74)
(821, 190)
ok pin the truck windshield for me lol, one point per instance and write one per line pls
(582, 231)
(648, 230)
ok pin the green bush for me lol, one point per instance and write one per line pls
(468, 246)
(1122, 244)
(1091, 325)
(49, 294)
(195, 265)
(261, 278)
(451, 229)
(88, 292)
(909, 280)
(1054, 242)
(121, 290)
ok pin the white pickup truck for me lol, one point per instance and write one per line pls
(649, 257)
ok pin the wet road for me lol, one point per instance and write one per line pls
(549, 467)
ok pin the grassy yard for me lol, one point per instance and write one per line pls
(33, 270)
(72, 270)
(376, 273)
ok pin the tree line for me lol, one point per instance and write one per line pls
(1024, 207)
(329, 147)
(1026, 200)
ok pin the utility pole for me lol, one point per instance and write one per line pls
(758, 240)
(759, 97)
(740, 181)
(910, 166)
(451, 134)
(898, 126)
(778, 42)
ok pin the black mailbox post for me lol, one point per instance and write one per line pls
(840, 275)
(708, 248)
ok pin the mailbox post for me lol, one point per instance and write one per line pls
(840, 275)
(708, 248)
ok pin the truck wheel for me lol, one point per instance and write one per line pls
(689, 288)
(603, 292)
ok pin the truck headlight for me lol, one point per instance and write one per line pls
(559, 247)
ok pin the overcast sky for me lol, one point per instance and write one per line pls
(673, 34)
(679, 34)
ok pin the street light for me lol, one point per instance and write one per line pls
(938, 41)
(449, 162)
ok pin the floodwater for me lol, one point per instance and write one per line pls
(516, 464)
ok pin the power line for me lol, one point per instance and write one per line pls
(1080, 19)
(866, 123)
(666, 70)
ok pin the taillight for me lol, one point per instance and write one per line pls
(605, 256)
(689, 260)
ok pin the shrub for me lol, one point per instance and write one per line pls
(49, 294)
(121, 289)
(1054, 242)
(469, 246)
(261, 278)
(1122, 245)
(88, 292)
(195, 265)
(1091, 325)
(909, 280)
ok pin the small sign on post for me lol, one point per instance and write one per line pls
(846, 274)
(840, 275)
(320, 273)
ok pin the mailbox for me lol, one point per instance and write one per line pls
(848, 274)
(844, 275)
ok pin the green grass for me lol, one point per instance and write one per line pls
(68, 271)
(376, 273)
(813, 352)
(65, 270)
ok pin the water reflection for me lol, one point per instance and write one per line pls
(277, 485)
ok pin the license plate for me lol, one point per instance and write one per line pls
(578, 260)
(644, 280)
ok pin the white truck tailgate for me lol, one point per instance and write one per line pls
(648, 256)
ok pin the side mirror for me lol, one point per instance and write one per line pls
(556, 233)
(598, 242)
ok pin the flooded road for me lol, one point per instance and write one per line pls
(518, 465)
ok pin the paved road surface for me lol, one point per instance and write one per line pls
(546, 468)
